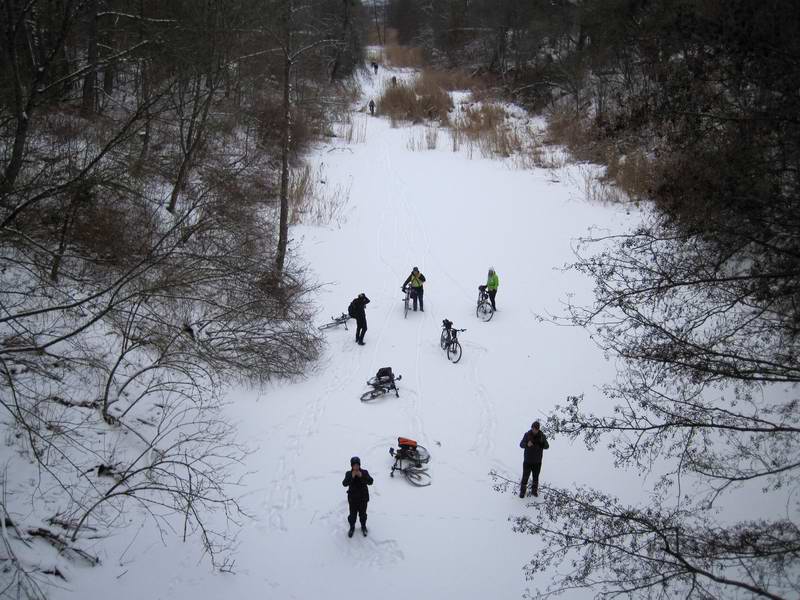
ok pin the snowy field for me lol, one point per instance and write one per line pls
(453, 216)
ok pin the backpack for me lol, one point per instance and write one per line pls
(352, 310)
(385, 373)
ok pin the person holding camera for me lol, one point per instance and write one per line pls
(534, 442)
(356, 481)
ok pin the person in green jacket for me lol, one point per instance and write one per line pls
(492, 282)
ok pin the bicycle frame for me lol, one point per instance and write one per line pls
(408, 299)
(484, 309)
(335, 321)
(398, 462)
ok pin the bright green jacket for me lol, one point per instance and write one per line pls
(492, 282)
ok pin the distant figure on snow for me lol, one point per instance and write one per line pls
(415, 280)
(492, 282)
(394, 81)
(535, 443)
(356, 481)
(375, 67)
(372, 107)
(357, 310)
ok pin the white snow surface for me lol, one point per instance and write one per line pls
(452, 216)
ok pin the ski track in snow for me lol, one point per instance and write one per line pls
(484, 439)
(283, 495)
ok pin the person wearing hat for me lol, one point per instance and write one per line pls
(534, 442)
(357, 310)
(356, 481)
(492, 283)
(415, 280)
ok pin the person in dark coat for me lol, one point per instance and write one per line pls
(356, 481)
(372, 107)
(358, 311)
(415, 280)
(534, 442)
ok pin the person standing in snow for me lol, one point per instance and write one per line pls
(534, 442)
(357, 310)
(372, 107)
(492, 282)
(356, 481)
(415, 280)
(375, 66)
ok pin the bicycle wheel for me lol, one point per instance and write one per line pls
(484, 312)
(419, 454)
(405, 306)
(372, 394)
(454, 352)
(328, 325)
(443, 339)
(417, 477)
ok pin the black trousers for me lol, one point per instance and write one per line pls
(361, 328)
(492, 294)
(529, 469)
(417, 296)
(358, 506)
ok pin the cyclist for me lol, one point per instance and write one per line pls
(356, 481)
(415, 280)
(492, 282)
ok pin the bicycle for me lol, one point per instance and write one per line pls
(336, 321)
(383, 383)
(408, 300)
(484, 310)
(417, 455)
(449, 341)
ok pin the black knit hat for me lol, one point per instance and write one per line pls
(355, 461)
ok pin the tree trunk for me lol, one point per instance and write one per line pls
(283, 222)
(89, 105)
(283, 227)
(377, 23)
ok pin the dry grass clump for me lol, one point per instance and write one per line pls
(630, 172)
(476, 121)
(312, 203)
(352, 130)
(486, 128)
(415, 102)
(451, 80)
(404, 56)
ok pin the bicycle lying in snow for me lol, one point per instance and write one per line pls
(449, 341)
(336, 321)
(414, 454)
(383, 383)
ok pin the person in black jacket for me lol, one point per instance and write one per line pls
(415, 280)
(357, 310)
(356, 481)
(535, 443)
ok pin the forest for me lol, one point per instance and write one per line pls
(146, 197)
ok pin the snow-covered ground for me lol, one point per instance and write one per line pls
(452, 216)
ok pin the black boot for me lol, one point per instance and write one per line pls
(350, 532)
(364, 530)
